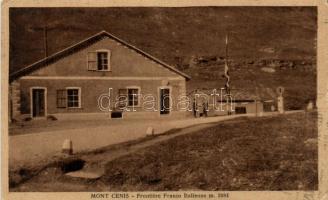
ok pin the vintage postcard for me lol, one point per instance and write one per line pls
(164, 100)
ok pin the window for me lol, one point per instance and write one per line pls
(99, 60)
(133, 96)
(69, 98)
(73, 98)
(102, 61)
(61, 99)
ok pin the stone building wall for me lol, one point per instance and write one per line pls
(15, 94)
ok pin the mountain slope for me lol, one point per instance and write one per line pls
(169, 32)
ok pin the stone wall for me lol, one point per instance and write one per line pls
(15, 94)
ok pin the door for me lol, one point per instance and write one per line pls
(164, 101)
(38, 102)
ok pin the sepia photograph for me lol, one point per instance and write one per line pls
(149, 99)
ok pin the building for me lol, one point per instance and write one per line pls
(216, 102)
(99, 76)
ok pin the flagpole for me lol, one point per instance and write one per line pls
(226, 49)
(226, 66)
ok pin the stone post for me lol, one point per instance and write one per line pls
(281, 104)
(150, 131)
(67, 147)
(280, 99)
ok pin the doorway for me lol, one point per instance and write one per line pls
(164, 101)
(38, 102)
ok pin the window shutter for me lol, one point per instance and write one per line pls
(123, 94)
(92, 61)
(61, 99)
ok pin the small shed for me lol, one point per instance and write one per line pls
(214, 102)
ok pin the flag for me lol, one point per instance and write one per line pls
(226, 74)
(226, 68)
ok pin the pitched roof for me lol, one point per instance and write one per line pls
(83, 44)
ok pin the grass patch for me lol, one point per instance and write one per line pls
(22, 174)
(269, 153)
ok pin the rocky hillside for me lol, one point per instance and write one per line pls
(258, 78)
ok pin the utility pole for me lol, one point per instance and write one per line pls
(45, 41)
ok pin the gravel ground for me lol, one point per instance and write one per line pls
(28, 148)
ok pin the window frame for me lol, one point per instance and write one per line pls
(108, 60)
(79, 97)
(138, 95)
